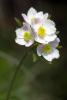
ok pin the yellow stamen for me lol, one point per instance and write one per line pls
(41, 32)
(27, 36)
(47, 48)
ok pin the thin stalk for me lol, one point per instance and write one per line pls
(14, 76)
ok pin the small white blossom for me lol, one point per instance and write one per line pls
(24, 35)
(45, 31)
(49, 51)
(43, 27)
(38, 27)
(34, 17)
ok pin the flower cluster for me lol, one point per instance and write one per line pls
(37, 27)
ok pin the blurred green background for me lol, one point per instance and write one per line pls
(41, 80)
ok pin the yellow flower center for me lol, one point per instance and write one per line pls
(47, 48)
(41, 32)
(27, 36)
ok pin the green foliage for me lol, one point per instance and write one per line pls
(36, 79)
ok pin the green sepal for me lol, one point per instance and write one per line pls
(34, 56)
(49, 16)
(59, 46)
(19, 23)
(57, 32)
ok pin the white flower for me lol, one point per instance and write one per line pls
(49, 51)
(24, 35)
(45, 31)
(44, 28)
(34, 17)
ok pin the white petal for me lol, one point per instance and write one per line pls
(26, 26)
(50, 38)
(20, 41)
(39, 15)
(45, 16)
(31, 12)
(35, 27)
(50, 27)
(46, 39)
(49, 22)
(50, 30)
(39, 50)
(55, 43)
(27, 44)
(51, 56)
(19, 32)
(25, 18)
(39, 40)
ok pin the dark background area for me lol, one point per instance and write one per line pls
(42, 81)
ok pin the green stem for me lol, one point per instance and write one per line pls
(14, 76)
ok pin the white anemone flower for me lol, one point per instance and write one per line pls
(34, 17)
(24, 35)
(45, 31)
(49, 51)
